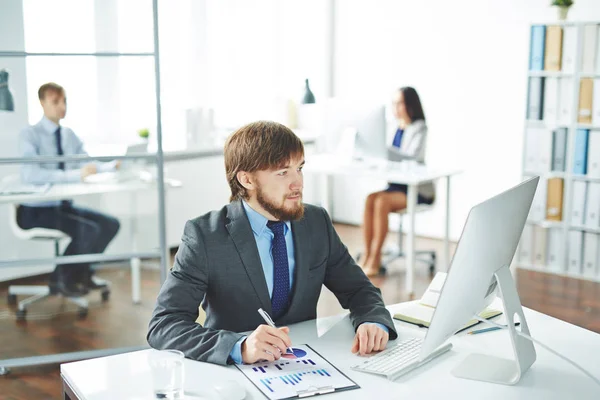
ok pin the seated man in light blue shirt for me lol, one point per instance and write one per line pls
(267, 250)
(90, 231)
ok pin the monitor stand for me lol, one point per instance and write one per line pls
(482, 367)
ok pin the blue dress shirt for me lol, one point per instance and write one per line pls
(263, 237)
(39, 140)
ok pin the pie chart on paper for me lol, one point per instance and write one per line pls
(296, 353)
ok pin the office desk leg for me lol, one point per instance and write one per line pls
(446, 262)
(411, 205)
(135, 262)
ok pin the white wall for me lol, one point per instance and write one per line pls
(468, 60)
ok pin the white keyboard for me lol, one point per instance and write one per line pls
(399, 359)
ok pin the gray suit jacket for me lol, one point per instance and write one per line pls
(218, 265)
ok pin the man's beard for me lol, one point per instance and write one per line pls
(281, 212)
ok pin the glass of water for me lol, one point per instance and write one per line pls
(167, 374)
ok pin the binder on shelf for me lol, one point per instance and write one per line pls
(535, 99)
(578, 206)
(551, 100)
(565, 105)
(575, 252)
(590, 35)
(569, 50)
(554, 201)
(538, 206)
(593, 154)
(559, 149)
(598, 57)
(553, 48)
(544, 162)
(596, 100)
(592, 211)
(532, 140)
(580, 159)
(586, 93)
(536, 51)
(555, 249)
(526, 245)
(539, 246)
(590, 254)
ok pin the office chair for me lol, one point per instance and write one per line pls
(390, 255)
(39, 292)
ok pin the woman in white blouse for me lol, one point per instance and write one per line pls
(409, 144)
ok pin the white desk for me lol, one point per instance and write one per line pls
(70, 191)
(127, 376)
(406, 173)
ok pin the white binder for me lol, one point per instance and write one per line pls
(575, 252)
(598, 60)
(532, 140)
(538, 206)
(592, 217)
(565, 104)
(590, 254)
(578, 207)
(551, 100)
(593, 156)
(545, 151)
(596, 98)
(590, 35)
(535, 98)
(526, 245)
(555, 249)
(539, 246)
(559, 149)
(569, 50)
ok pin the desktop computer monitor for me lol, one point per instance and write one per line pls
(479, 267)
(366, 120)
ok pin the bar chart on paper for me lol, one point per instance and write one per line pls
(294, 373)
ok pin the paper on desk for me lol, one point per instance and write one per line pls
(432, 294)
(289, 377)
(22, 188)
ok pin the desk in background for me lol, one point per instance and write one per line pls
(406, 173)
(70, 191)
(127, 376)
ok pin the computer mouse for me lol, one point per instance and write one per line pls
(231, 390)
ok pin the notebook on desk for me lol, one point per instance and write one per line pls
(420, 312)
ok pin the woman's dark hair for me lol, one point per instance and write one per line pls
(412, 103)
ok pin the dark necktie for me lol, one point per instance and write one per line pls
(59, 149)
(281, 269)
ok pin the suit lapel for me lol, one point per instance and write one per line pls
(301, 251)
(240, 231)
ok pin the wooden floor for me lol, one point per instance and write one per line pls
(54, 327)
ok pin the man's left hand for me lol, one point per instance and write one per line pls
(369, 338)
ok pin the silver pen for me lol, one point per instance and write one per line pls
(270, 322)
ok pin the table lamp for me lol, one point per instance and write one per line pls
(6, 99)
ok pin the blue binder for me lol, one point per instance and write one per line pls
(538, 45)
(581, 144)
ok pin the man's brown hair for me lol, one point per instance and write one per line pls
(50, 87)
(258, 146)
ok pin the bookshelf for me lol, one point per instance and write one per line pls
(561, 145)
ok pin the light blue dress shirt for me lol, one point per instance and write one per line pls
(263, 237)
(40, 140)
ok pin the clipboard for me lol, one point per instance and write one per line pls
(269, 377)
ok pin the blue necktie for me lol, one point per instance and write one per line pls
(59, 149)
(281, 269)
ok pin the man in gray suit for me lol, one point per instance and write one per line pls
(266, 249)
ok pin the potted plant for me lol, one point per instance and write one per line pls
(563, 7)
(144, 133)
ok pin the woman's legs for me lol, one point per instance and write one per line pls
(368, 225)
(384, 204)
